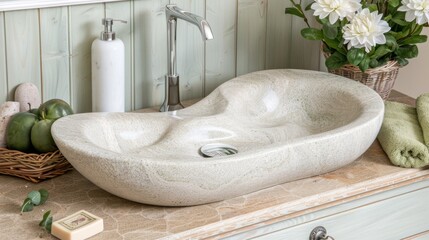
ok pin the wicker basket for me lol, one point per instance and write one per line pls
(381, 79)
(31, 166)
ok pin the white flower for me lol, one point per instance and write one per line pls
(366, 29)
(415, 9)
(336, 9)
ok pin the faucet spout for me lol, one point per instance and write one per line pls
(172, 12)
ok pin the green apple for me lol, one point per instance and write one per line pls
(34, 111)
(18, 131)
(41, 137)
(54, 109)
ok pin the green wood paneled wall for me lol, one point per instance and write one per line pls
(51, 47)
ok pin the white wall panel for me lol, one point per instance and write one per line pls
(55, 53)
(220, 53)
(85, 26)
(22, 48)
(304, 54)
(279, 26)
(3, 73)
(150, 53)
(251, 35)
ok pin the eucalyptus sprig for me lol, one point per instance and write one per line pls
(34, 198)
(46, 222)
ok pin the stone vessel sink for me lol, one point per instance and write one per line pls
(285, 125)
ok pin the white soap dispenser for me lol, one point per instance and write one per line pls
(108, 71)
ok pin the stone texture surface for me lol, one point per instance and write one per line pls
(124, 219)
(286, 125)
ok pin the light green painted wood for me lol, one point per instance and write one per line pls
(220, 52)
(190, 52)
(122, 10)
(251, 35)
(388, 207)
(246, 39)
(150, 52)
(421, 236)
(3, 74)
(55, 53)
(85, 26)
(22, 44)
(304, 54)
(394, 218)
(278, 34)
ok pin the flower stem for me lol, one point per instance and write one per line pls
(299, 8)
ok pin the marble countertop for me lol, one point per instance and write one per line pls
(123, 219)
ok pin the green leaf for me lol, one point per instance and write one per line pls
(364, 64)
(355, 55)
(408, 51)
(46, 222)
(323, 21)
(418, 30)
(383, 61)
(398, 18)
(402, 61)
(380, 51)
(388, 17)
(312, 34)
(414, 40)
(393, 3)
(377, 63)
(43, 195)
(336, 60)
(400, 22)
(308, 7)
(35, 197)
(372, 7)
(27, 206)
(391, 42)
(335, 44)
(330, 31)
(294, 11)
(374, 63)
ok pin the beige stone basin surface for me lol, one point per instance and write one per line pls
(285, 124)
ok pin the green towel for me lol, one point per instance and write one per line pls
(422, 106)
(401, 136)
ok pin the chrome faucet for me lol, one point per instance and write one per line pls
(172, 12)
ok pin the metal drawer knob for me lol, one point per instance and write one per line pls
(320, 233)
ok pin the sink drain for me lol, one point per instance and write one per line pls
(217, 150)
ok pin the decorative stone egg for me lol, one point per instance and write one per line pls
(7, 109)
(28, 96)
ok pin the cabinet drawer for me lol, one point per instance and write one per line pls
(394, 218)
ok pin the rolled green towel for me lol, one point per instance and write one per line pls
(422, 106)
(401, 136)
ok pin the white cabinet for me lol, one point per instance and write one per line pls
(401, 213)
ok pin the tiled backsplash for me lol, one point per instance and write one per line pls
(51, 47)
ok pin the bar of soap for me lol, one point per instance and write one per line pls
(78, 226)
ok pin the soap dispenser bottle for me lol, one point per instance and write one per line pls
(108, 71)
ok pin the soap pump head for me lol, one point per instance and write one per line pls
(108, 34)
